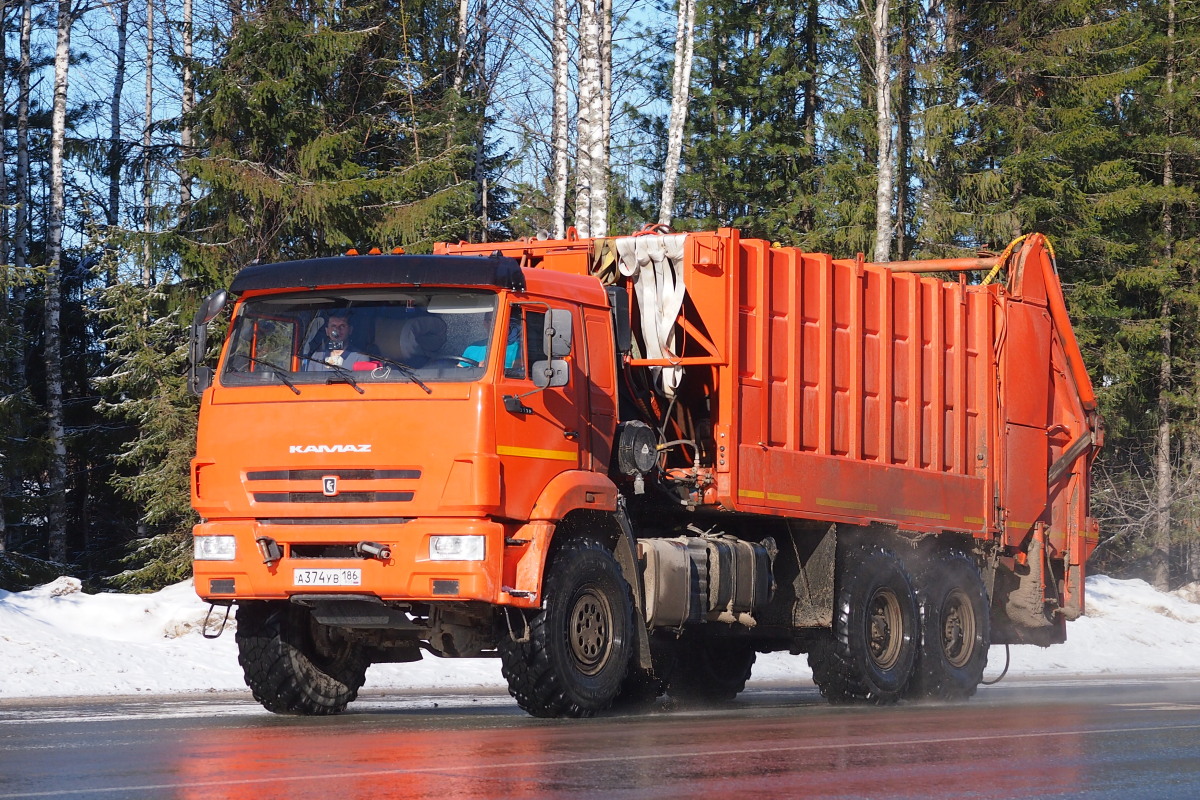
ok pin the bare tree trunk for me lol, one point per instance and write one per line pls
(809, 110)
(481, 100)
(601, 149)
(22, 193)
(187, 106)
(5, 239)
(56, 431)
(681, 81)
(460, 44)
(147, 184)
(559, 133)
(115, 156)
(904, 134)
(1160, 554)
(589, 129)
(884, 224)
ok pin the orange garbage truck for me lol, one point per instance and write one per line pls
(624, 466)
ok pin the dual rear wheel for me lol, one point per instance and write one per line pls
(916, 629)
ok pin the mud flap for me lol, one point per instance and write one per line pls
(1023, 612)
(626, 555)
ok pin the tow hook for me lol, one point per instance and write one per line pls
(373, 550)
(270, 549)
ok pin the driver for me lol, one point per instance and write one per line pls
(334, 348)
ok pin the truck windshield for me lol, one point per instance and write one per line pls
(365, 336)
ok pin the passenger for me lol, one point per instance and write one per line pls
(335, 347)
(475, 354)
(414, 341)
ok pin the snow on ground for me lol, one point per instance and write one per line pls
(57, 641)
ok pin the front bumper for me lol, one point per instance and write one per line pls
(406, 574)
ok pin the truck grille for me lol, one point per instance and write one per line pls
(340, 474)
(311, 490)
(341, 497)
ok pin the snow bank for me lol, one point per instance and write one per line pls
(57, 641)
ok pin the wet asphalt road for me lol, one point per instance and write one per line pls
(1116, 738)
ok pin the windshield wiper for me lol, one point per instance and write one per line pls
(276, 370)
(405, 370)
(340, 370)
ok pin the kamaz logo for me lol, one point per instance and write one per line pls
(330, 448)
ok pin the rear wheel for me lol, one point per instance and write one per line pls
(576, 654)
(294, 665)
(955, 631)
(711, 671)
(871, 652)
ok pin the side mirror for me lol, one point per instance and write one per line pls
(549, 374)
(618, 299)
(200, 377)
(557, 337)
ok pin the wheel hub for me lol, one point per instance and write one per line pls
(885, 626)
(958, 628)
(590, 631)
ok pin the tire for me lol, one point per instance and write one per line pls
(294, 665)
(579, 644)
(642, 687)
(871, 652)
(955, 629)
(711, 671)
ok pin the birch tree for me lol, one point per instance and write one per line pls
(460, 41)
(588, 129)
(681, 78)
(885, 157)
(559, 133)
(56, 431)
(601, 151)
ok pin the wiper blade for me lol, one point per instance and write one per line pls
(405, 370)
(277, 370)
(342, 372)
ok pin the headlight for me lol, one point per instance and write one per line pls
(456, 548)
(214, 548)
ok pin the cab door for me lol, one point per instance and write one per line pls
(538, 432)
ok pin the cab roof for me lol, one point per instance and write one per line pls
(386, 270)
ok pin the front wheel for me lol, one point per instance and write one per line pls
(576, 651)
(871, 652)
(294, 665)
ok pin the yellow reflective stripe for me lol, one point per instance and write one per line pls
(912, 512)
(974, 520)
(825, 501)
(756, 495)
(534, 452)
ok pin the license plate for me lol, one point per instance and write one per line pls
(327, 577)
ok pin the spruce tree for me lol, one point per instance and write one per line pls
(320, 127)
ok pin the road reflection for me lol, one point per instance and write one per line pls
(913, 751)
